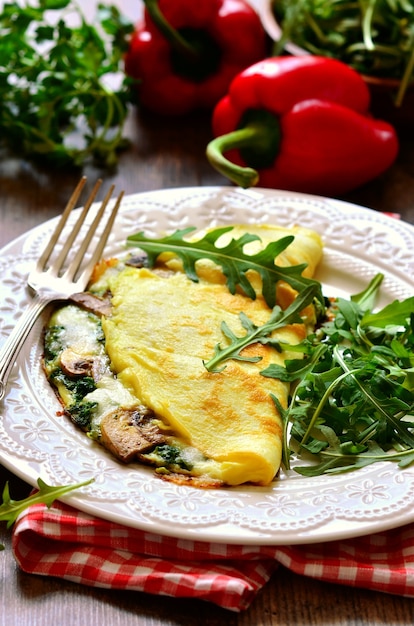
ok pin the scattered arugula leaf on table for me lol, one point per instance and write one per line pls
(56, 99)
(11, 509)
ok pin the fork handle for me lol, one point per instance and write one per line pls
(14, 342)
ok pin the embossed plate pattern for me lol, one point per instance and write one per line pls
(34, 441)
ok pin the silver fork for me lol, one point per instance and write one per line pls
(52, 280)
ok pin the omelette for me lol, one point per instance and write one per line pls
(128, 362)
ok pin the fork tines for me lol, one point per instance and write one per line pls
(56, 267)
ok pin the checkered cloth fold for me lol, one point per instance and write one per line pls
(66, 543)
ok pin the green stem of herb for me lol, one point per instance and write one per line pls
(367, 434)
(316, 29)
(367, 25)
(322, 403)
(378, 457)
(393, 419)
(408, 73)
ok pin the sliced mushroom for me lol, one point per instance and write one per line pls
(143, 419)
(74, 364)
(138, 260)
(93, 303)
(127, 433)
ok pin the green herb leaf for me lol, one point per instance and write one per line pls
(353, 403)
(396, 313)
(375, 37)
(295, 369)
(367, 298)
(259, 334)
(56, 102)
(232, 259)
(338, 458)
(11, 509)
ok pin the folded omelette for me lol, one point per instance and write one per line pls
(152, 399)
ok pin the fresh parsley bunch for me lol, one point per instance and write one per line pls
(58, 100)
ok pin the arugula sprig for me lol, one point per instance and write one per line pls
(374, 37)
(235, 263)
(259, 334)
(56, 71)
(11, 509)
(343, 457)
(353, 400)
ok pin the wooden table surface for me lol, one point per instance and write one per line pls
(165, 154)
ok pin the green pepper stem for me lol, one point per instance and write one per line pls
(171, 34)
(243, 176)
(258, 139)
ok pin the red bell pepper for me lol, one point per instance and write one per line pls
(302, 124)
(186, 52)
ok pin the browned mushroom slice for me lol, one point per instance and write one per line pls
(74, 364)
(91, 302)
(127, 433)
(143, 418)
(142, 261)
(138, 260)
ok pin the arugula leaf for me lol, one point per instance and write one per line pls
(353, 403)
(343, 457)
(11, 509)
(232, 259)
(56, 103)
(295, 369)
(366, 299)
(388, 408)
(259, 334)
(393, 314)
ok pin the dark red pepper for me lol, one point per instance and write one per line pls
(301, 124)
(186, 52)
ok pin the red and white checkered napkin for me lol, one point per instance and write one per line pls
(69, 544)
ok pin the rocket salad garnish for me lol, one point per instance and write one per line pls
(259, 334)
(234, 262)
(353, 399)
(376, 38)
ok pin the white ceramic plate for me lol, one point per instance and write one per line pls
(34, 441)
